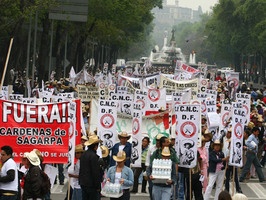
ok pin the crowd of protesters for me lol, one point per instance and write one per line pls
(91, 172)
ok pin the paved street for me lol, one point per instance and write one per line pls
(253, 190)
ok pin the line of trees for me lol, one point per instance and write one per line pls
(112, 27)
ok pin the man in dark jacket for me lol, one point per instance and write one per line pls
(33, 179)
(89, 173)
(123, 145)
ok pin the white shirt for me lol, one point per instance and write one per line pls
(75, 181)
(151, 150)
(121, 147)
(13, 185)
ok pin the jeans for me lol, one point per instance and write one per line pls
(8, 197)
(252, 158)
(89, 193)
(61, 173)
(179, 187)
(161, 193)
(77, 194)
(125, 196)
(150, 187)
(263, 160)
(229, 171)
(212, 179)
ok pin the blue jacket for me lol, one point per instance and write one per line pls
(127, 150)
(127, 175)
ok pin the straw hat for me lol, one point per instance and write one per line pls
(120, 157)
(123, 134)
(105, 151)
(159, 136)
(166, 151)
(260, 119)
(208, 133)
(219, 90)
(230, 130)
(217, 142)
(93, 140)
(251, 125)
(33, 158)
(162, 109)
(203, 139)
(79, 148)
(38, 154)
(84, 137)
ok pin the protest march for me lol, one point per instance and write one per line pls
(129, 124)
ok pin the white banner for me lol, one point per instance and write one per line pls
(136, 136)
(188, 129)
(141, 98)
(125, 102)
(202, 97)
(107, 117)
(225, 115)
(121, 90)
(29, 100)
(245, 100)
(156, 99)
(203, 85)
(238, 123)
(72, 135)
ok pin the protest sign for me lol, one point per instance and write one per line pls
(156, 99)
(16, 97)
(32, 100)
(188, 128)
(102, 90)
(69, 95)
(202, 97)
(203, 85)
(174, 86)
(245, 100)
(107, 116)
(140, 98)
(72, 134)
(86, 93)
(212, 94)
(124, 101)
(225, 115)
(42, 127)
(152, 80)
(111, 90)
(136, 136)
(122, 90)
(238, 123)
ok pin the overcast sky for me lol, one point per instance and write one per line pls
(205, 4)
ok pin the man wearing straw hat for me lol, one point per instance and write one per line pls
(8, 175)
(123, 145)
(89, 174)
(33, 178)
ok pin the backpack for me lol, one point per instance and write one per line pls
(46, 185)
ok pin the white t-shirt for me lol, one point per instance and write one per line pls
(121, 147)
(75, 181)
(13, 185)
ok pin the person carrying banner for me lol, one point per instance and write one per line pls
(89, 174)
(216, 170)
(162, 191)
(8, 175)
(123, 145)
(121, 174)
(252, 150)
(74, 174)
(33, 178)
(151, 150)
(138, 170)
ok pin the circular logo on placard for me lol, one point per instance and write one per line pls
(203, 82)
(107, 120)
(136, 125)
(195, 102)
(203, 107)
(154, 94)
(188, 129)
(225, 118)
(246, 108)
(141, 101)
(102, 85)
(71, 129)
(238, 130)
(236, 82)
(112, 87)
